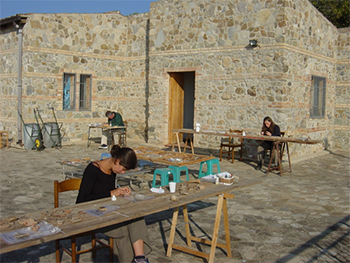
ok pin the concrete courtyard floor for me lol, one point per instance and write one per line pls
(303, 216)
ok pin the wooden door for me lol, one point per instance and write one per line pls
(176, 103)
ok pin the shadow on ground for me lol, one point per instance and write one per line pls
(332, 245)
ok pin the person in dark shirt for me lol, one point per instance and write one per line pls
(99, 181)
(269, 128)
(114, 119)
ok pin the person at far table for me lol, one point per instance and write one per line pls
(131, 239)
(269, 128)
(114, 119)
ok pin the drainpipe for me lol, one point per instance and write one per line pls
(147, 83)
(19, 89)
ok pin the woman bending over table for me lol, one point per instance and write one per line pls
(269, 128)
(98, 182)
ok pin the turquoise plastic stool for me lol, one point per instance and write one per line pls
(178, 170)
(210, 164)
(164, 176)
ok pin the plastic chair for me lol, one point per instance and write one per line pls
(70, 185)
(229, 144)
(210, 165)
(105, 155)
(164, 176)
(178, 170)
(4, 139)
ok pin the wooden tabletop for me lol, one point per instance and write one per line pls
(129, 209)
(250, 136)
(77, 162)
(107, 127)
(168, 157)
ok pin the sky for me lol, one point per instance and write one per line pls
(126, 7)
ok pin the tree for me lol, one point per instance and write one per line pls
(336, 11)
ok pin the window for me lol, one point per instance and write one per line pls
(68, 91)
(85, 92)
(318, 99)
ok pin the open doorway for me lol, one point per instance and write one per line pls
(181, 101)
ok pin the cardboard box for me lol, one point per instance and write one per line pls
(226, 180)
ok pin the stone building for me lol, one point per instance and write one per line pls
(184, 62)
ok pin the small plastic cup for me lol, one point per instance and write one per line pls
(172, 187)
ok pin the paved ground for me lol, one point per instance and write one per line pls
(300, 217)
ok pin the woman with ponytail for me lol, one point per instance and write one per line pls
(99, 181)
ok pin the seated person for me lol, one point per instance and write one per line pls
(114, 119)
(269, 128)
(131, 241)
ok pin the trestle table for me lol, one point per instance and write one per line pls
(110, 130)
(125, 209)
(280, 143)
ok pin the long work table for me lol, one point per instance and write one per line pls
(76, 219)
(169, 157)
(280, 143)
(177, 133)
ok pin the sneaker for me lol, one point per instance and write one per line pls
(103, 146)
(140, 260)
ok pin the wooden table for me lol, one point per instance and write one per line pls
(169, 157)
(280, 143)
(136, 174)
(103, 127)
(130, 209)
(74, 167)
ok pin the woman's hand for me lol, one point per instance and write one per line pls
(268, 133)
(121, 191)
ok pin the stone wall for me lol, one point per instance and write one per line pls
(8, 81)
(110, 47)
(342, 102)
(237, 86)
(130, 57)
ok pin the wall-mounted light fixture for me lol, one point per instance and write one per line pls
(253, 43)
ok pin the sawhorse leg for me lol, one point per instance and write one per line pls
(285, 146)
(277, 150)
(221, 207)
(275, 153)
(189, 139)
(178, 143)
